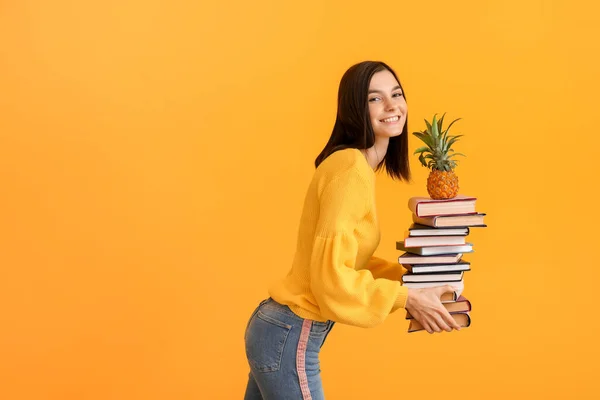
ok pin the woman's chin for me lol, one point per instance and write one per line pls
(389, 134)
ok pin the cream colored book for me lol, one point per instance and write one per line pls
(425, 206)
(442, 221)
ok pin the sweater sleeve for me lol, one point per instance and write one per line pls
(342, 293)
(381, 268)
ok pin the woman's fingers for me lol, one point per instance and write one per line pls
(440, 322)
(445, 289)
(450, 320)
(433, 322)
(425, 307)
(427, 327)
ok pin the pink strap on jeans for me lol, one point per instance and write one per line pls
(301, 359)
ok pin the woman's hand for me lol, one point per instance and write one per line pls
(425, 306)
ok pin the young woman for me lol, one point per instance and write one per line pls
(334, 276)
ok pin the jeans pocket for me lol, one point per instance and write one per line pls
(319, 328)
(319, 332)
(265, 341)
(252, 316)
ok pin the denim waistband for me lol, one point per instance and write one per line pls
(273, 305)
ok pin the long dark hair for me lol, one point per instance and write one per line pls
(353, 127)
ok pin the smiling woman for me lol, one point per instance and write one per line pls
(387, 106)
(369, 92)
(334, 276)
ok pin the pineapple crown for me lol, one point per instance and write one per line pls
(438, 154)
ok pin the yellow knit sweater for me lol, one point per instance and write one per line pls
(334, 275)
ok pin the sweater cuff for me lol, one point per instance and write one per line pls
(401, 299)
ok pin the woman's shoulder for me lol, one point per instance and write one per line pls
(342, 162)
(348, 157)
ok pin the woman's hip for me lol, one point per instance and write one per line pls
(272, 325)
(283, 350)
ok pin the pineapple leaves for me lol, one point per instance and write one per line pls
(441, 123)
(445, 134)
(425, 138)
(422, 149)
(434, 130)
(450, 142)
(438, 153)
(428, 126)
(452, 123)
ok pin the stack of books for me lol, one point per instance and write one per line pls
(433, 250)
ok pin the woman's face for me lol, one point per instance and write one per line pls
(387, 107)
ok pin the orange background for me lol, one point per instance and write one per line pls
(154, 158)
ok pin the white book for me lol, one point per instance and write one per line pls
(424, 230)
(440, 268)
(421, 241)
(436, 250)
(415, 259)
(458, 286)
(444, 277)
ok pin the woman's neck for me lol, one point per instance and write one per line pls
(376, 153)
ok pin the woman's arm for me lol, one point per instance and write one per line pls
(342, 293)
(381, 268)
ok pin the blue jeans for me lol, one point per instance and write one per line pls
(283, 354)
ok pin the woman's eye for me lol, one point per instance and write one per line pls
(374, 99)
(398, 94)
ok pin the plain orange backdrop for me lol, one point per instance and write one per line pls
(153, 162)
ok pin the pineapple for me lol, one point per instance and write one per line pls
(442, 182)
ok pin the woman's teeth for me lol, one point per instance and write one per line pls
(392, 119)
